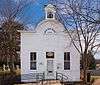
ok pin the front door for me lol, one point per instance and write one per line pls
(50, 64)
(50, 68)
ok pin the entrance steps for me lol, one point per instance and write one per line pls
(52, 82)
(47, 82)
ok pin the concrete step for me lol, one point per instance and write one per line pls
(47, 82)
(52, 82)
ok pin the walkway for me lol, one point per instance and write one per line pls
(97, 82)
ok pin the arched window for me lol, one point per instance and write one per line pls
(49, 15)
(49, 30)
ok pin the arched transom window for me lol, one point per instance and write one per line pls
(49, 30)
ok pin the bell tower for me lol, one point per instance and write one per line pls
(50, 11)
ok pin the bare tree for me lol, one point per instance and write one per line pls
(10, 44)
(10, 21)
(81, 20)
(91, 65)
(13, 9)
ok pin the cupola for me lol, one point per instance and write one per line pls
(50, 11)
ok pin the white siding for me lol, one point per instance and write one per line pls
(34, 42)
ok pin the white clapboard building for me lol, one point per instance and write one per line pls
(48, 51)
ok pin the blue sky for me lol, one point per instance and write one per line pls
(35, 12)
(32, 13)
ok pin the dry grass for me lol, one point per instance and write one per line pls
(95, 77)
(17, 72)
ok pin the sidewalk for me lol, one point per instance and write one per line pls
(97, 82)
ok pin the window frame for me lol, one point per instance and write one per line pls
(66, 60)
(49, 57)
(33, 61)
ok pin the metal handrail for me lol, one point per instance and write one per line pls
(39, 79)
(62, 76)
